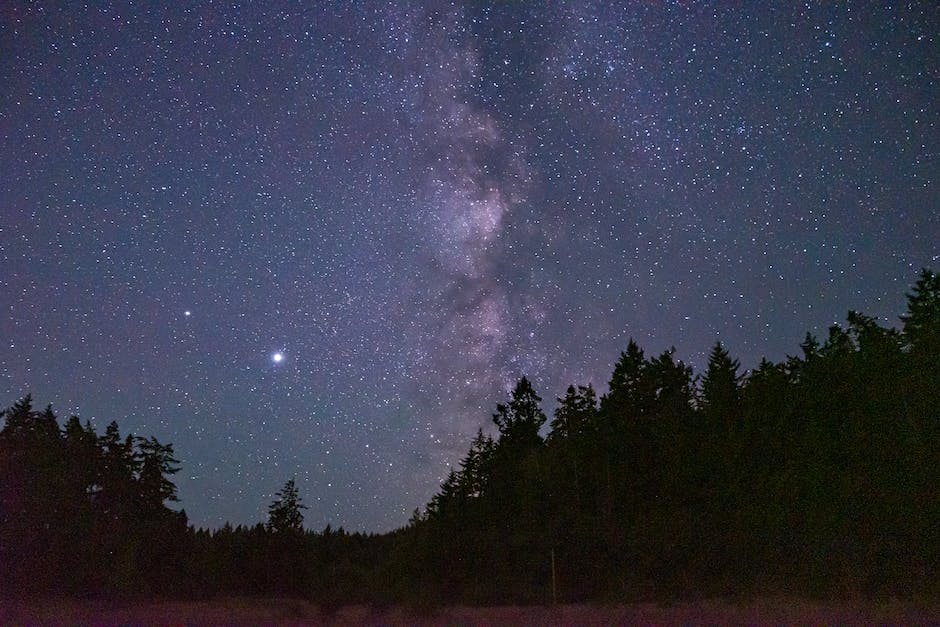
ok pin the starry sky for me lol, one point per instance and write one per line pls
(324, 239)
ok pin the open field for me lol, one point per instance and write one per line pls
(293, 612)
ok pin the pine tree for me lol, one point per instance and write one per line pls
(575, 413)
(627, 395)
(156, 462)
(18, 417)
(671, 384)
(519, 421)
(32, 496)
(284, 515)
(447, 498)
(922, 320)
(810, 347)
(838, 345)
(117, 473)
(82, 455)
(721, 381)
(476, 466)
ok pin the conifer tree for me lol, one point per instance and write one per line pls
(156, 462)
(720, 385)
(17, 418)
(117, 473)
(284, 515)
(627, 396)
(671, 384)
(922, 320)
(575, 413)
(475, 468)
(519, 421)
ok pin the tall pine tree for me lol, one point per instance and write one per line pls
(284, 515)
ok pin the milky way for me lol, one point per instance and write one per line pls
(414, 204)
(470, 179)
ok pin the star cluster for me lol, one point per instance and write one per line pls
(323, 240)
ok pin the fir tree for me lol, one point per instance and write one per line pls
(922, 320)
(720, 385)
(575, 413)
(156, 462)
(627, 395)
(519, 421)
(284, 515)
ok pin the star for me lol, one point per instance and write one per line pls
(430, 218)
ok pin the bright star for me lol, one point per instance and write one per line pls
(277, 357)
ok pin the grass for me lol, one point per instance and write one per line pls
(234, 611)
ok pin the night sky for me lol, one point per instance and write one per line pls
(323, 240)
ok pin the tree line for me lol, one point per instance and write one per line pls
(818, 475)
(84, 513)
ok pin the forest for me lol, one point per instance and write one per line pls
(817, 476)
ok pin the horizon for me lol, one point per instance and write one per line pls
(488, 429)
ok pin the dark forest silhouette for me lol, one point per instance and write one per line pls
(819, 475)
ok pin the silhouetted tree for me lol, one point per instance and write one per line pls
(32, 485)
(720, 383)
(520, 420)
(817, 475)
(476, 467)
(156, 463)
(576, 412)
(922, 320)
(284, 515)
(117, 473)
(628, 394)
(671, 384)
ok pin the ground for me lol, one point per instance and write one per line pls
(293, 612)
